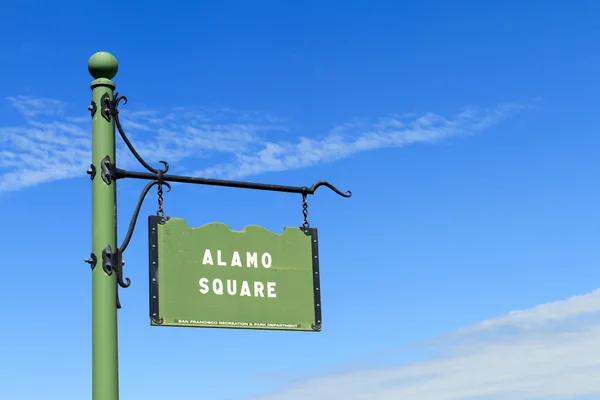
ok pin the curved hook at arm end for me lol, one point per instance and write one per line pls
(166, 164)
(317, 185)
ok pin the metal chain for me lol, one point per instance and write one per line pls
(160, 212)
(305, 224)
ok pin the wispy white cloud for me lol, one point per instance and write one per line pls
(51, 145)
(549, 352)
(32, 107)
(348, 139)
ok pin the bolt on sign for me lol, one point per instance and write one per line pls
(212, 276)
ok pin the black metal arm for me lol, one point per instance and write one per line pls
(120, 173)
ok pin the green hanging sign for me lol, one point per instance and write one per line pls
(212, 276)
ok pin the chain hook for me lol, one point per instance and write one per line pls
(305, 224)
(160, 212)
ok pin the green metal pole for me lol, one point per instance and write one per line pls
(105, 375)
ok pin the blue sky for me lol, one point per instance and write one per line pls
(465, 266)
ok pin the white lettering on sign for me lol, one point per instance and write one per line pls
(266, 260)
(251, 259)
(231, 287)
(258, 289)
(236, 261)
(220, 262)
(245, 289)
(217, 287)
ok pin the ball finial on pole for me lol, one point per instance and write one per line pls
(103, 65)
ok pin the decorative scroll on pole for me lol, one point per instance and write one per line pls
(106, 259)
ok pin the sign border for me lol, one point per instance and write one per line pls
(153, 268)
